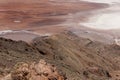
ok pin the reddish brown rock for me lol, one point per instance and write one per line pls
(35, 71)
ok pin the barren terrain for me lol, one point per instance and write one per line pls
(43, 40)
(76, 57)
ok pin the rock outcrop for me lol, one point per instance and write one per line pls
(35, 71)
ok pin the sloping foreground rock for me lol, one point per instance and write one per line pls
(79, 58)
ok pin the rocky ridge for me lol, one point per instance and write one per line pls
(76, 57)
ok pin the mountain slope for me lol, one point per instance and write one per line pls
(78, 58)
